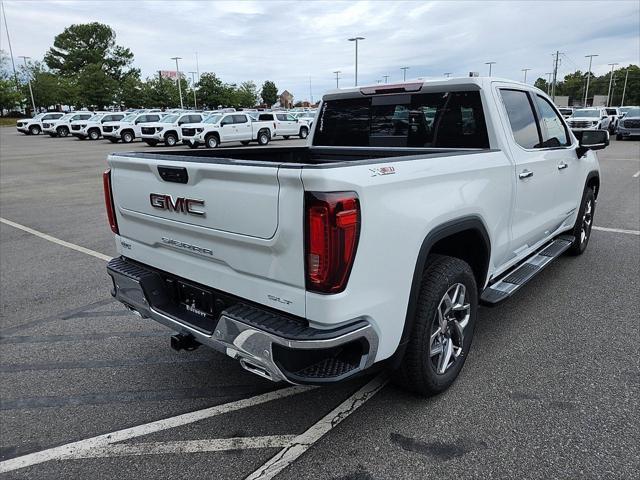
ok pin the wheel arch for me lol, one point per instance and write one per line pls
(593, 181)
(447, 239)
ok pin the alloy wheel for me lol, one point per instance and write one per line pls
(447, 334)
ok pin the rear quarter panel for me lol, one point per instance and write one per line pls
(397, 213)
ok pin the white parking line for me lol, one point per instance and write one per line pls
(72, 246)
(637, 174)
(183, 446)
(302, 442)
(617, 230)
(74, 449)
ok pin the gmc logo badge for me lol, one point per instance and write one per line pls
(180, 204)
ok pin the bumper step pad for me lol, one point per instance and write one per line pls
(507, 285)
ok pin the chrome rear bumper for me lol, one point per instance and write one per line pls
(275, 347)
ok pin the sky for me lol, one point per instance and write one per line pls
(299, 44)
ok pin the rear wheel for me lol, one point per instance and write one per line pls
(63, 131)
(94, 134)
(171, 139)
(127, 137)
(264, 137)
(212, 141)
(584, 223)
(34, 130)
(304, 132)
(443, 327)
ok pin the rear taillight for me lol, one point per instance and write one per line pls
(332, 229)
(108, 200)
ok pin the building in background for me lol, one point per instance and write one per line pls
(286, 99)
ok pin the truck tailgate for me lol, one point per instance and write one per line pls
(237, 228)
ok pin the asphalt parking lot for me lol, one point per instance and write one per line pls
(88, 390)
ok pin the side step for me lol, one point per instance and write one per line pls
(506, 286)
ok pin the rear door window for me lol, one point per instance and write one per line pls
(521, 118)
(152, 118)
(240, 119)
(265, 117)
(438, 120)
(281, 117)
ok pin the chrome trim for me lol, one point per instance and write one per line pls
(243, 342)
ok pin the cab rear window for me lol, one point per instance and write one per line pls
(442, 120)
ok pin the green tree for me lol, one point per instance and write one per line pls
(80, 46)
(96, 87)
(10, 96)
(214, 93)
(130, 91)
(269, 92)
(246, 95)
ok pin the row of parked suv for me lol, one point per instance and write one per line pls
(154, 127)
(624, 122)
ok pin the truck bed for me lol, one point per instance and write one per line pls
(299, 156)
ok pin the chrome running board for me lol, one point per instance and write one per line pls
(513, 279)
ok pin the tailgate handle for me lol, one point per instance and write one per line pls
(173, 174)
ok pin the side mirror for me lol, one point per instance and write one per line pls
(592, 140)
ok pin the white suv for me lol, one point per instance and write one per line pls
(128, 129)
(167, 130)
(92, 128)
(33, 126)
(62, 126)
(589, 119)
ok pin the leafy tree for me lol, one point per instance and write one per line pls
(10, 96)
(213, 92)
(130, 91)
(269, 92)
(246, 95)
(541, 83)
(97, 89)
(80, 46)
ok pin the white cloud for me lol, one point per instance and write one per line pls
(289, 41)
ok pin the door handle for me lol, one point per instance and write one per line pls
(562, 166)
(525, 174)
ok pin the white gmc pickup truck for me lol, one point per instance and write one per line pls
(230, 127)
(370, 247)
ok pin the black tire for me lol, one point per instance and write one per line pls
(417, 371)
(263, 137)
(34, 130)
(171, 139)
(94, 134)
(63, 131)
(245, 142)
(304, 132)
(113, 139)
(127, 136)
(584, 221)
(211, 141)
(193, 145)
(286, 137)
(619, 137)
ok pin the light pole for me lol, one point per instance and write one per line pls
(178, 79)
(548, 81)
(586, 89)
(193, 87)
(404, 73)
(356, 39)
(337, 72)
(33, 102)
(386, 78)
(447, 74)
(610, 82)
(490, 64)
(525, 70)
(624, 89)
